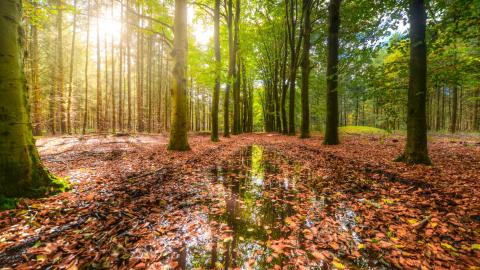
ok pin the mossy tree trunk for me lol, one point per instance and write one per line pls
(416, 150)
(179, 127)
(21, 170)
(331, 130)
(216, 89)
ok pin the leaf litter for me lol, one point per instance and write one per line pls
(249, 202)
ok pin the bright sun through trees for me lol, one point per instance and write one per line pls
(240, 134)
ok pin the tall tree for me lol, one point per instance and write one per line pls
(218, 66)
(21, 171)
(331, 131)
(416, 150)
(59, 65)
(231, 70)
(307, 29)
(179, 126)
(72, 60)
(85, 112)
(294, 42)
(236, 77)
(99, 117)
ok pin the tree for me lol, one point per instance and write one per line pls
(307, 29)
(85, 112)
(72, 60)
(178, 132)
(21, 171)
(216, 89)
(331, 130)
(416, 151)
(231, 70)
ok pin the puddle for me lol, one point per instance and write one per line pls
(265, 215)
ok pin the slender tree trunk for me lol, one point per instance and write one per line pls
(218, 66)
(331, 131)
(72, 60)
(284, 85)
(120, 72)
(149, 83)
(99, 117)
(139, 63)
(307, 29)
(179, 128)
(60, 81)
(416, 148)
(231, 70)
(129, 78)
(476, 111)
(85, 113)
(236, 80)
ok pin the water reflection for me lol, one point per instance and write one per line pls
(264, 216)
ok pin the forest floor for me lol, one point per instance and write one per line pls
(256, 201)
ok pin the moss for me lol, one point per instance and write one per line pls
(8, 203)
(362, 130)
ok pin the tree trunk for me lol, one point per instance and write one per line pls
(284, 85)
(218, 66)
(85, 113)
(70, 81)
(476, 111)
(37, 112)
(231, 71)
(416, 148)
(129, 78)
(99, 117)
(307, 29)
(179, 128)
(21, 171)
(120, 72)
(236, 79)
(59, 82)
(331, 130)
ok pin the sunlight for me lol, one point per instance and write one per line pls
(110, 27)
(202, 33)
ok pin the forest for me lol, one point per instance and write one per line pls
(240, 134)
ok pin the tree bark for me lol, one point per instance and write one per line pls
(70, 81)
(59, 82)
(99, 117)
(416, 148)
(236, 79)
(85, 113)
(331, 130)
(231, 70)
(307, 29)
(21, 171)
(218, 66)
(178, 133)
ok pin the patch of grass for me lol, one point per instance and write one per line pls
(362, 130)
(7, 203)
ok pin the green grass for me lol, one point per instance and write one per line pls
(362, 130)
(7, 203)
